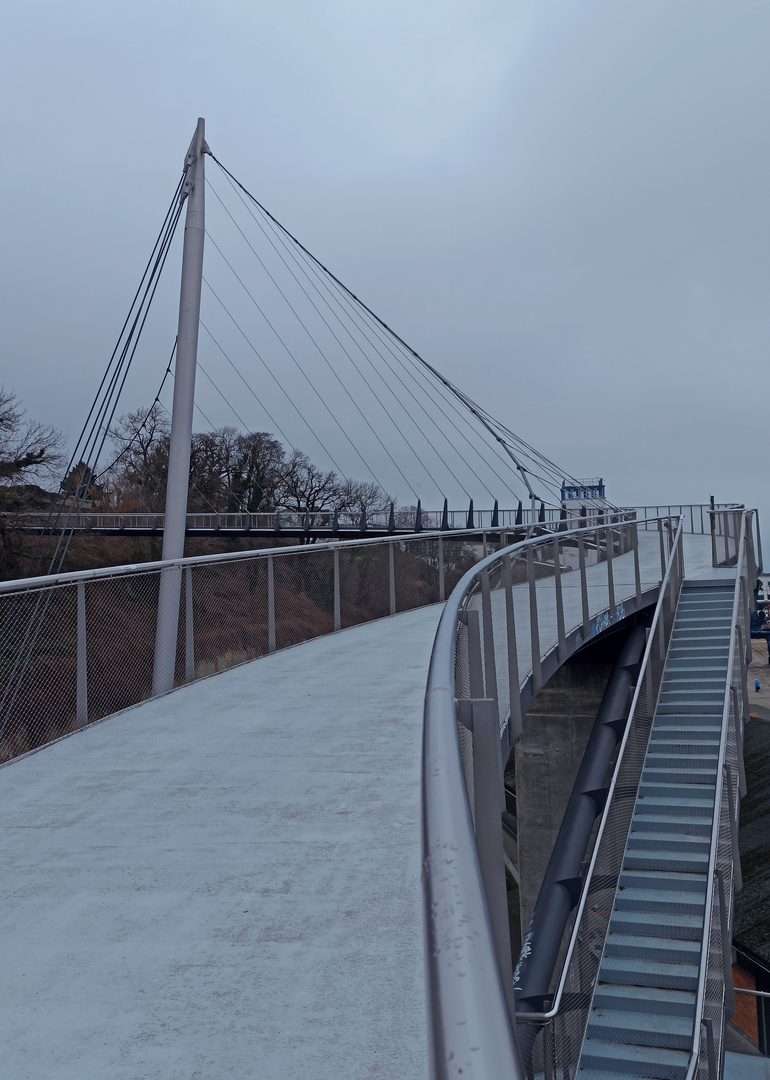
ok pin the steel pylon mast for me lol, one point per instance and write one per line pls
(193, 190)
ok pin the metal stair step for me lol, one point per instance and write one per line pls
(701, 692)
(683, 707)
(676, 926)
(648, 839)
(652, 858)
(637, 972)
(704, 734)
(663, 879)
(701, 757)
(688, 775)
(673, 792)
(665, 950)
(664, 823)
(712, 722)
(665, 902)
(691, 682)
(716, 667)
(648, 999)
(712, 617)
(645, 1029)
(655, 1062)
(689, 808)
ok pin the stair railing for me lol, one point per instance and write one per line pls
(561, 1027)
(715, 1000)
(479, 684)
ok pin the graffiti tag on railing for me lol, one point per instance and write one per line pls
(604, 621)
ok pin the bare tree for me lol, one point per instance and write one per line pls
(303, 486)
(136, 479)
(29, 451)
(358, 495)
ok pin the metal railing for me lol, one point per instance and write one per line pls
(77, 647)
(715, 996)
(560, 1029)
(481, 678)
(695, 516)
(299, 520)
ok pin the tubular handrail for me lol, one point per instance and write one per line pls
(21, 584)
(716, 822)
(468, 1009)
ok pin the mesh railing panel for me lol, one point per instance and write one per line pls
(38, 668)
(239, 609)
(229, 615)
(364, 584)
(120, 616)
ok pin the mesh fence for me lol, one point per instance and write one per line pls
(76, 652)
(716, 984)
(725, 535)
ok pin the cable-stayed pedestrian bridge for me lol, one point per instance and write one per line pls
(429, 793)
(227, 878)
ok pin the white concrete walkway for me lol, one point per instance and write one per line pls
(225, 882)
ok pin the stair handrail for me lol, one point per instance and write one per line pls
(713, 1052)
(553, 1012)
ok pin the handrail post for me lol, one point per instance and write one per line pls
(662, 549)
(475, 664)
(337, 605)
(441, 583)
(710, 1048)
(480, 715)
(637, 571)
(513, 656)
(392, 578)
(610, 574)
(583, 586)
(189, 627)
(490, 667)
(270, 605)
(561, 635)
(81, 707)
(534, 628)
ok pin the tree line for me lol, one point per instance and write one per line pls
(230, 470)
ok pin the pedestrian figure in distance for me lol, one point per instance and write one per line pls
(756, 685)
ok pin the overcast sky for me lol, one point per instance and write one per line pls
(560, 204)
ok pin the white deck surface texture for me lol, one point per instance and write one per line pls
(225, 882)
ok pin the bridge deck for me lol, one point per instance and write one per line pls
(226, 881)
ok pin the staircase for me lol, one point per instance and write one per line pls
(643, 1008)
